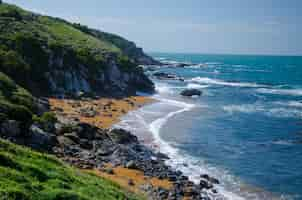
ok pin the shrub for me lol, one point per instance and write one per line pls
(12, 12)
(16, 112)
(125, 63)
(47, 117)
(12, 64)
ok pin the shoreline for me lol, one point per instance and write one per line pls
(118, 155)
(183, 164)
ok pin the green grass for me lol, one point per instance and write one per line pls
(25, 174)
(49, 29)
(29, 41)
(15, 102)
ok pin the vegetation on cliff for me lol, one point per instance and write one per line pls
(15, 102)
(34, 49)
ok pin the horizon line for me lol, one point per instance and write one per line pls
(225, 54)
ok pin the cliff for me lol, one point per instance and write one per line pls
(50, 56)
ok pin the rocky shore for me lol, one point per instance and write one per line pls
(115, 154)
(113, 151)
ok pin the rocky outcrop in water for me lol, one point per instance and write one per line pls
(191, 92)
(167, 76)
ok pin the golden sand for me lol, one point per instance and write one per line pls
(106, 111)
(122, 176)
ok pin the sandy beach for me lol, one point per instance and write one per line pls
(102, 113)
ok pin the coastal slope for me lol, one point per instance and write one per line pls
(26, 174)
(50, 56)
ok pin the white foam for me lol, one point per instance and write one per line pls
(196, 86)
(160, 58)
(163, 88)
(297, 104)
(213, 63)
(207, 80)
(229, 188)
(283, 142)
(192, 168)
(292, 92)
(278, 112)
(244, 108)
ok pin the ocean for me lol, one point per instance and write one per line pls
(245, 129)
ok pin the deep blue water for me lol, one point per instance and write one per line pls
(247, 123)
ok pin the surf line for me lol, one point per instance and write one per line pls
(157, 124)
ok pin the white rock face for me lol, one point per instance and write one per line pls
(64, 78)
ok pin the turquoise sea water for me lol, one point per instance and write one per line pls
(246, 128)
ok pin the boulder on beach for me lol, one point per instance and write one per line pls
(191, 92)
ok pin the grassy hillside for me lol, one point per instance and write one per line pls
(33, 46)
(15, 102)
(25, 174)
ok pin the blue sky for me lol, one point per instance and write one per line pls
(199, 26)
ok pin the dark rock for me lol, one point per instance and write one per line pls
(163, 75)
(131, 165)
(130, 182)
(190, 192)
(162, 156)
(73, 136)
(161, 193)
(65, 141)
(42, 105)
(205, 184)
(10, 128)
(40, 139)
(210, 179)
(86, 144)
(121, 136)
(172, 178)
(86, 131)
(191, 92)
(88, 112)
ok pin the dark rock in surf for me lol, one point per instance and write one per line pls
(210, 179)
(166, 76)
(191, 92)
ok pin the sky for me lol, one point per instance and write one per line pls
(189, 26)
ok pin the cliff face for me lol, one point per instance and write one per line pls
(109, 80)
(50, 56)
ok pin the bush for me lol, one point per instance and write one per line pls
(125, 63)
(12, 12)
(47, 117)
(12, 64)
(16, 112)
(15, 102)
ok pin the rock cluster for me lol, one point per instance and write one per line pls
(89, 147)
(167, 76)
